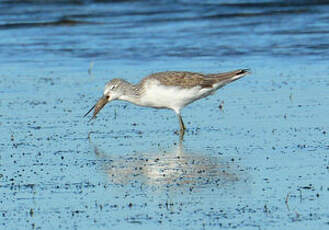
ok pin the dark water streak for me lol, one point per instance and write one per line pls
(163, 29)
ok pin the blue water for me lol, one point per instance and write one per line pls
(260, 162)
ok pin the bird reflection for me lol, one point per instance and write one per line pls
(178, 168)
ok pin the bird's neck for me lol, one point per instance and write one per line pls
(130, 93)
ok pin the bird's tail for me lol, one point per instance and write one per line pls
(220, 79)
(230, 76)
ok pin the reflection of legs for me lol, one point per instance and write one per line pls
(181, 124)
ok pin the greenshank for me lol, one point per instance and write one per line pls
(169, 90)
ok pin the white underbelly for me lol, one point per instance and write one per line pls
(175, 98)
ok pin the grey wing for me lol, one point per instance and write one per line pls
(183, 79)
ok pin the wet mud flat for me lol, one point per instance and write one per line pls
(259, 161)
(254, 157)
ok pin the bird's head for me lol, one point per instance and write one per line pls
(112, 91)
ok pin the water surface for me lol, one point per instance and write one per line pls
(260, 162)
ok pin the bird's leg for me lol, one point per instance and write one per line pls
(181, 124)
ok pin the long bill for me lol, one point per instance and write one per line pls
(97, 107)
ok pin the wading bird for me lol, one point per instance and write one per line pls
(166, 90)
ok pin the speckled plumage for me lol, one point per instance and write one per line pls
(185, 79)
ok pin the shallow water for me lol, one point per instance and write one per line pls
(260, 162)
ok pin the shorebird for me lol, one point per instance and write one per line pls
(166, 90)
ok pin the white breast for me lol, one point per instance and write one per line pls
(160, 96)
